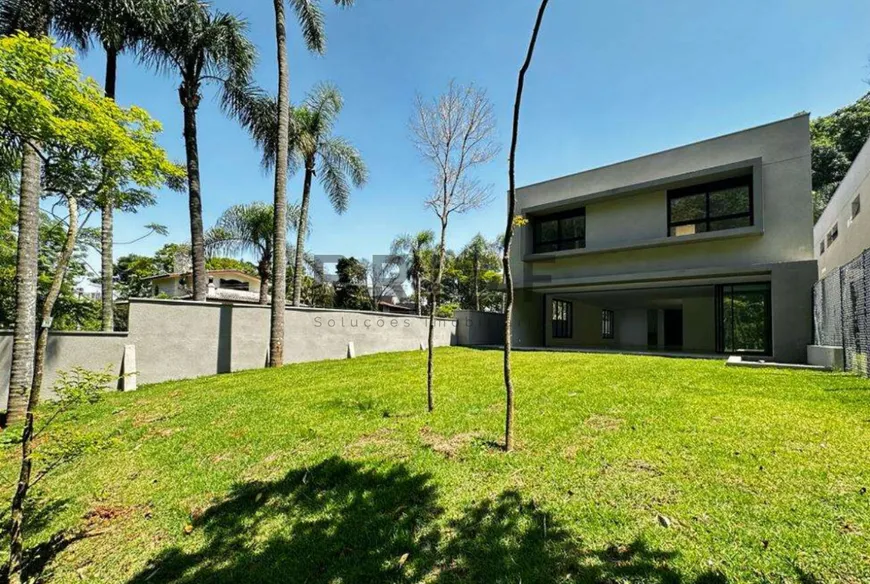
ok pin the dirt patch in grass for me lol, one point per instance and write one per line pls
(102, 516)
(580, 445)
(604, 423)
(643, 467)
(449, 447)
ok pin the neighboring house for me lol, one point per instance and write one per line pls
(843, 231)
(393, 308)
(222, 285)
(705, 248)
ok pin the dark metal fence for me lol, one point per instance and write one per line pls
(841, 312)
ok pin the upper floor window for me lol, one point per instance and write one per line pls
(856, 206)
(724, 204)
(562, 319)
(832, 234)
(560, 231)
(822, 247)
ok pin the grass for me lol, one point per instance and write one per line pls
(628, 469)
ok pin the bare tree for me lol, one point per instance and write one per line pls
(385, 273)
(512, 221)
(455, 135)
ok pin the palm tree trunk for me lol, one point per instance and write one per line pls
(508, 237)
(26, 274)
(263, 270)
(108, 313)
(436, 290)
(301, 233)
(476, 283)
(16, 548)
(279, 265)
(190, 100)
(106, 210)
(417, 290)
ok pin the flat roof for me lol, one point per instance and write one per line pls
(641, 157)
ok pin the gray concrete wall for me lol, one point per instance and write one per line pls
(177, 339)
(621, 211)
(479, 328)
(791, 298)
(699, 324)
(853, 232)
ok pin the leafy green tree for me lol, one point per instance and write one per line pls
(199, 45)
(413, 247)
(248, 229)
(89, 146)
(836, 140)
(132, 272)
(350, 288)
(117, 26)
(222, 263)
(479, 267)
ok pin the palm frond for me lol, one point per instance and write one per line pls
(324, 103)
(310, 18)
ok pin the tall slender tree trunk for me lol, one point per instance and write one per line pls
(508, 237)
(16, 547)
(279, 260)
(476, 283)
(264, 270)
(106, 219)
(436, 290)
(417, 290)
(26, 275)
(50, 300)
(189, 93)
(301, 232)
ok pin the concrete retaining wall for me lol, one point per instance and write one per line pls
(479, 328)
(181, 339)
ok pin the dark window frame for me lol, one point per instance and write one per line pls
(563, 328)
(856, 206)
(833, 234)
(725, 292)
(559, 241)
(706, 189)
(607, 324)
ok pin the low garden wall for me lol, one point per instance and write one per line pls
(174, 339)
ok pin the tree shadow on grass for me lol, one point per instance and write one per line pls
(341, 521)
(337, 521)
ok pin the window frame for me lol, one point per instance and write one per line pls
(706, 189)
(856, 207)
(562, 328)
(607, 321)
(833, 234)
(569, 214)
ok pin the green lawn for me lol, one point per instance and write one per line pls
(628, 469)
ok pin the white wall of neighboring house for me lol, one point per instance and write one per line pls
(853, 230)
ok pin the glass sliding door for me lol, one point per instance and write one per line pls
(743, 318)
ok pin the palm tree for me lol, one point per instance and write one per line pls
(200, 46)
(415, 248)
(33, 17)
(249, 228)
(117, 26)
(332, 159)
(512, 222)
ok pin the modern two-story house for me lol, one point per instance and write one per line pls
(702, 249)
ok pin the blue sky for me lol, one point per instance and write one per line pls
(610, 81)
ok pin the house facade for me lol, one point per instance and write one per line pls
(842, 233)
(702, 249)
(231, 285)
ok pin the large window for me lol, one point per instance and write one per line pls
(743, 318)
(606, 324)
(562, 319)
(559, 232)
(724, 204)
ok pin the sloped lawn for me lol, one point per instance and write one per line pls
(628, 469)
